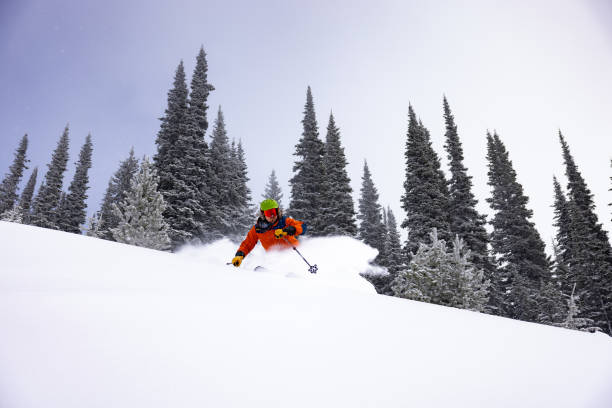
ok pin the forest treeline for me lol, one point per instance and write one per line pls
(193, 191)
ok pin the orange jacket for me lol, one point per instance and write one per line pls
(263, 232)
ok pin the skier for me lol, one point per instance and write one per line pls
(272, 229)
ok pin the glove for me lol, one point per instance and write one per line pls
(290, 230)
(238, 259)
(281, 233)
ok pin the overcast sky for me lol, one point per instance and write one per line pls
(524, 68)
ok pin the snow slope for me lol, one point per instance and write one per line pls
(91, 323)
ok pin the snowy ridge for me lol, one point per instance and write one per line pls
(91, 323)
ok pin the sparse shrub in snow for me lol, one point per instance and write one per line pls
(443, 277)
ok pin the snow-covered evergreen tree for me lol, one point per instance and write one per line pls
(519, 250)
(464, 218)
(141, 222)
(273, 190)
(339, 210)
(25, 201)
(93, 226)
(563, 243)
(71, 215)
(240, 195)
(12, 215)
(198, 98)
(390, 257)
(443, 277)
(393, 247)
(178, 162)
(10, 183)
(308, 184)
(199, 158)
(371, 228)
(222, 181)
(244, 192)
(118, 187)
(426, 197)
(44, 208)
(590, 258)
(572, 321)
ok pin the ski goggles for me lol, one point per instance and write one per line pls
(270, 213)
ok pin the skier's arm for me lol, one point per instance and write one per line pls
(248, 244)
(294, 227)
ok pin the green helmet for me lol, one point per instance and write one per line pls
(268, 204)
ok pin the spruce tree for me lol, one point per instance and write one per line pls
(426, 197)
(340, 209)
(572, 321)
(393, 246)
(25, 201)
(591, 254)
(178, 164)
(222, 181)
(44, 209)
(12, 215)
(519, 250)
(8, 187)
(437, 275)
(391, 255)
(273, 190)
(200, 90)
(200, 172)
(371, 229)
(118, 187)
(93, 226)
(141, 222)
(564, 242)
(72, 213)
(240, 204)
(308, 186)
(465, 220)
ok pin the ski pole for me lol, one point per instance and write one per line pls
(311, 268)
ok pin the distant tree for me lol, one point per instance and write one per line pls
(443, 277)
(371, 229)
(308, 186)
(141, 222)
(464, 218)
(72, 213)
(118, 187)
(339, 209)
(25, 201)
(273, 190)
(44, 211)
(8, 187)
(519, 250)
(426, 196)
(590, 254)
